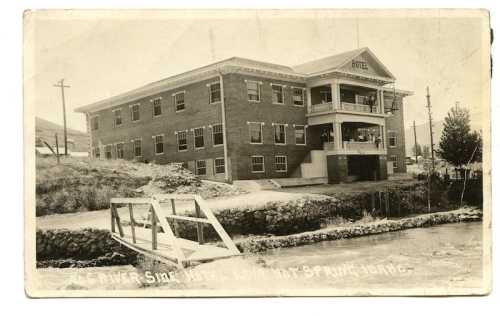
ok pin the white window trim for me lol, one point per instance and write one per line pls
(276, 124)
(394, 162)
(263, 164)
(282, 91)
(213, 135)
(153, 106)
(111, 151)
(261, 133)
(175, 101)
(133, 146)
(259, 84)
(215, 169)
(131, 112)
(194, 138)
(114, 117)
(196, 167)
(209, 85)
(305, 134)
(91, 118)
(154, 140)
(177, 138)
(389, 138)
(286, 163)
(303, 96)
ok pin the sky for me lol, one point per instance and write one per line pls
(101, 54)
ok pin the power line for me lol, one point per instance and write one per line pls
(61, 85)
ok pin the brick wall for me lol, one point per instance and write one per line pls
(239, 111)
(396, 123)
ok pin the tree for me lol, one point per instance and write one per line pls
(458, 144)
(426, 152)
(417, 150)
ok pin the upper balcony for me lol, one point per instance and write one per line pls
(346, 98)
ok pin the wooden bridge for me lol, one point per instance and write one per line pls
(166, 245)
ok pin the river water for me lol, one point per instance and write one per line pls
(445, 259)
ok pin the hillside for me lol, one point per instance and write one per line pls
(46, 130)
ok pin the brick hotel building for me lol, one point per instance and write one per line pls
(338, 118)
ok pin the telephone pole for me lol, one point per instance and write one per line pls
(430, 128)
(61, 85)
(416, 144)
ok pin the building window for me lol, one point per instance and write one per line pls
(257, 164)
(201, 167)
(298, 96)
(199, 140)
(137, 148)
(214, 91)
(280, 163)
(394, 159)
(182, 141)
(277, 93)
(300, 135)
(255, 130)
(179, 101)
(119, 150)
(325, 95)
(219, 165)
(97, 152)
(157, 107)
(94, 123)
(391, 135)
(134, 112)
(217, 136)
(158, 144)
(107, 151)
(253, 91)
(280, 134)
(118, 117)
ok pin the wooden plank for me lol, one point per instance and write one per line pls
(217, 226)
(199, 226)
(132, 221)
(154, 229)
(117, 218)
(162, 257)
(180, 197)
(191, 219)
(168, 231)
(131, 200)
(174, 224)
(112, 218)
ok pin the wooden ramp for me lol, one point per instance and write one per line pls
(166, 245)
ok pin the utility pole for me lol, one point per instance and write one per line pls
(430, 128)
(416, 144)
(61, 85)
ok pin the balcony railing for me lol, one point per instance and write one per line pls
(354, 107)
(352, 147)
(321, 107)
(362, 146)
(346, 106)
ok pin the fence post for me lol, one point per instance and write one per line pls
(112, 218)
(372, 198)
(132, 222)
(174, 223)
(199, 226)
(387, 210)
(154, 229)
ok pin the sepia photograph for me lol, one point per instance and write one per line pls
(216, 153)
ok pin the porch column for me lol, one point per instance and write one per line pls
(381, 101)
(308, 97)
(337, 135)
(335, 94)
(384, 138)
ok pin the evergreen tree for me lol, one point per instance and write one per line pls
(458, 143)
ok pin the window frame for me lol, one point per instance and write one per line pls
(252, 164)
(97, 152)
(185, 138)
(115, 117)
(155, 138)
(223, 165)
(282, 93)
(174, 96)
(134, 147)
(394, 136)
(394, 162)
(96, 118)
(132, 106)
(202, 135)
(122, 150)
(261, 133)
(303, 93)
(155, 105)
(197, 168)
(110, 147)
(274, 133)
(285, 163)
(258, 83)
(304, 129)
(221, 133)
(210, 101)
